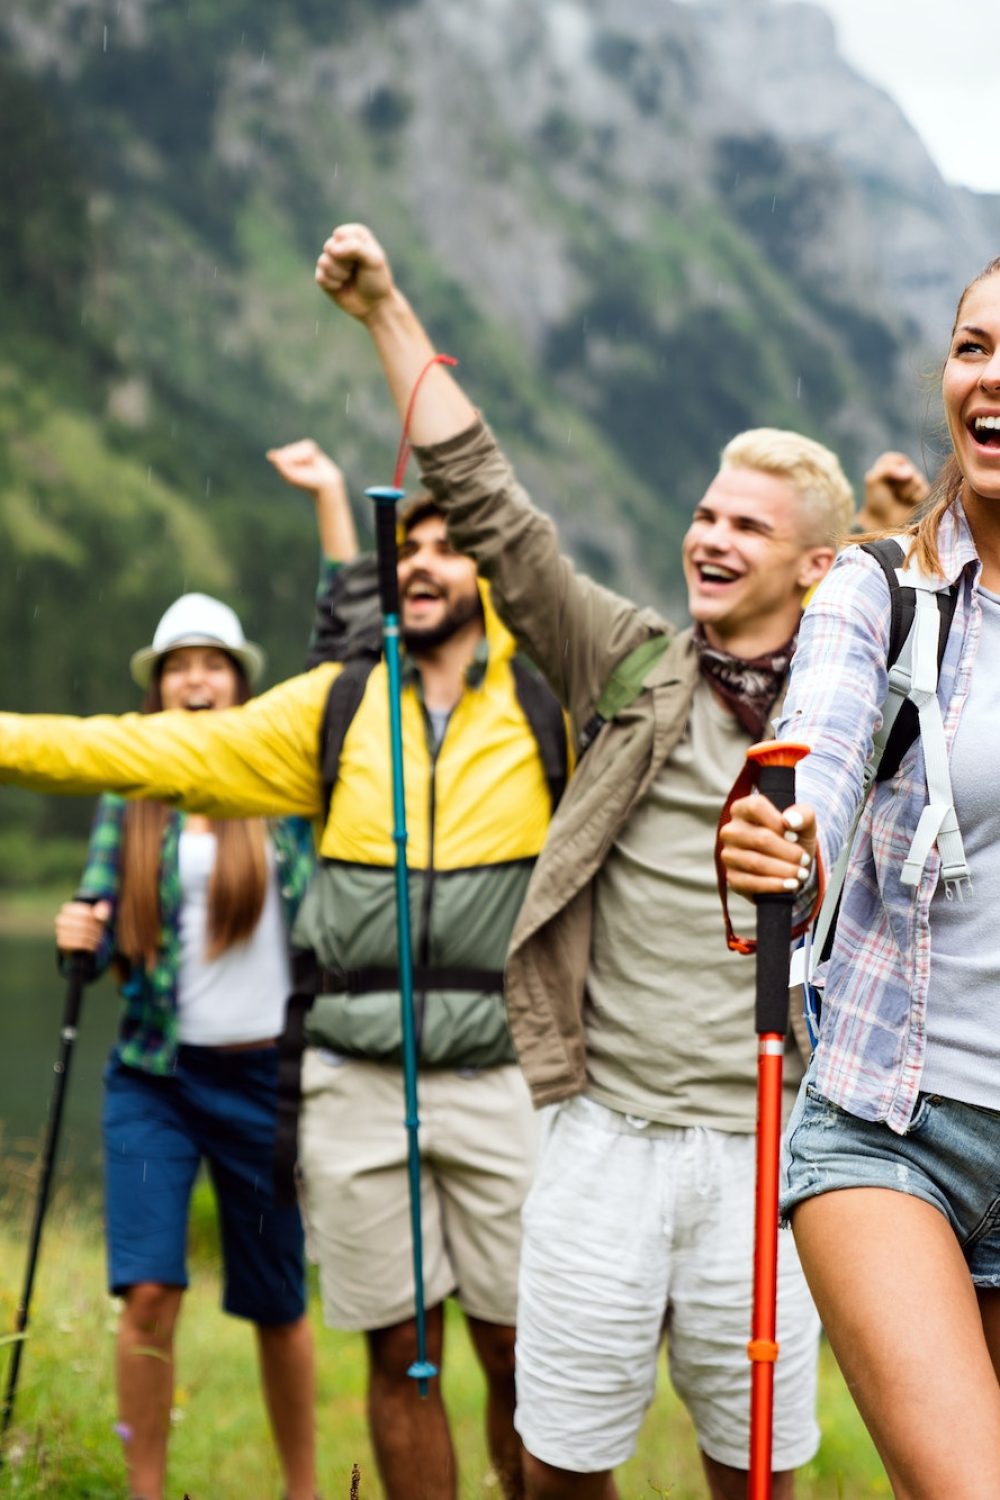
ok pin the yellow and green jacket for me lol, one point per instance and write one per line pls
(477, 811)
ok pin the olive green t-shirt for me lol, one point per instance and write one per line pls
(669, 1010)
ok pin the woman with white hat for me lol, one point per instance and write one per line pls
(195, 916)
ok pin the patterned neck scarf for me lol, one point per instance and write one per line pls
(749, 688)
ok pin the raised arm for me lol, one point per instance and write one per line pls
(304, 465)
(894, 491)
(575, 630)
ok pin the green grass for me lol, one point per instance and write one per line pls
(63, 1442)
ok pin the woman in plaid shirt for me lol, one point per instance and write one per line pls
(893, 1172)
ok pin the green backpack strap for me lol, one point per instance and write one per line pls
(623, 687)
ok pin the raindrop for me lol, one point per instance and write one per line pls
(105, 47)
(798, 389)
(263, 55)
(347, 404)
(336, 170)
(316, 330)
(208, 485)
(773, 202)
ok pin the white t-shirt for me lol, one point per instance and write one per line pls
(239, 996)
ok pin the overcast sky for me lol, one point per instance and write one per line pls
(940, 61)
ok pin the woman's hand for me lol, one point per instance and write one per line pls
(80, 926)
(765, 850)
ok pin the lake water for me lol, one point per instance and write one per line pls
(32, 992)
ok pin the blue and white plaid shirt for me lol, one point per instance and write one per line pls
(870, 1054)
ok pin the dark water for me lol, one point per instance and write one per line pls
(31, 1006)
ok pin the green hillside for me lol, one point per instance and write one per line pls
(170, 172)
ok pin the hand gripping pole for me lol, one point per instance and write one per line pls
(775, 763)
(386, 499)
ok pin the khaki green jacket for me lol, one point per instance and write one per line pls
(576, 632)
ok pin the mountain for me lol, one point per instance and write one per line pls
(640, 227)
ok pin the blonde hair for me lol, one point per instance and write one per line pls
(811, 469)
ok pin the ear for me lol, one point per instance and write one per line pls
(814, 564)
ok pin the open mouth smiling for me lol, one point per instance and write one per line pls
(985, 431)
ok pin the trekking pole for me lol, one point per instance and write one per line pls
(386, 499)
(775, 761)
(80, 972)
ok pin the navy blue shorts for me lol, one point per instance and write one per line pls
(220, 1107)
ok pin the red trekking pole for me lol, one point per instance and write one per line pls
(775, 763)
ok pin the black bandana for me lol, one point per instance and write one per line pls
(749, 688)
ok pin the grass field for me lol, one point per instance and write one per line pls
(64, 1447)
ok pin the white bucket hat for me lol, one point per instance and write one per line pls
(198, 620)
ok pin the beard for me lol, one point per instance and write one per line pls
(418, 638)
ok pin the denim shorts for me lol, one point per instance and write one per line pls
(949, 1156)
(217, 1106)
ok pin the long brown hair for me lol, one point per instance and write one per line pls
(948, 485)
(239, 880)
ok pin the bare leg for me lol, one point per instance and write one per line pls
(409, 1432)
(543, 1482)
(145, 1378)
(898, 1304)
(288, 1377)
(725, 1483)
(494, 1346)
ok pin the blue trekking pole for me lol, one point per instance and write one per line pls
(386, 499)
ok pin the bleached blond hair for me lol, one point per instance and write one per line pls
(811, 469)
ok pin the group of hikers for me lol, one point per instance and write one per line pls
(586, 1040)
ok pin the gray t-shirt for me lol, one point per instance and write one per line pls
(962, 1060)
(669, 1010)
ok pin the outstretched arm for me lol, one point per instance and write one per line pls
(304, 465)
(256, 760)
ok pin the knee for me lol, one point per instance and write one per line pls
(391, 1351)
(151, 1310)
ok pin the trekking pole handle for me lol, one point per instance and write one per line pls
(775, 762)
(386, 498)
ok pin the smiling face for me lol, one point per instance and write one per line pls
(199, 677)
(971, 389)
(747, 562)
(437, 587)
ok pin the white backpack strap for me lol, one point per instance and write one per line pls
(938, 821)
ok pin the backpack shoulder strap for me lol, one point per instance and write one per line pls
(342, 703)
(916, 650)
(900, 723)
(623, 686)
(548, 724)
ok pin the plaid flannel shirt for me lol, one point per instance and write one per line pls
(147, 1037)
(870, 1054)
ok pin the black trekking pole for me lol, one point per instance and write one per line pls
(80, 972)
(386, 500)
